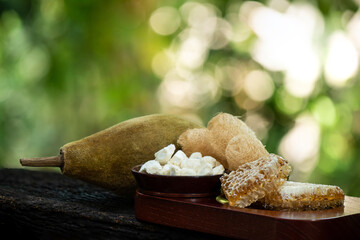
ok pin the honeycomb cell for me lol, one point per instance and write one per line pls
(303, 196)
(253, 180)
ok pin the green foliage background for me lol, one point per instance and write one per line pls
(72, 68)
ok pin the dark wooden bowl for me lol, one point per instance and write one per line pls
(176, 186)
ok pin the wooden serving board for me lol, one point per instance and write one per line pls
(208, 216)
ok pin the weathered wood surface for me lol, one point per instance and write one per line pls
(48, 205)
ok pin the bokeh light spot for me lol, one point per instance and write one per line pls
(34, 64)
(300, 146)
(165, 20)
(162, 62)
(324, 111)
(287, 103)
(336, 146)
(258, 85)
(342, 61)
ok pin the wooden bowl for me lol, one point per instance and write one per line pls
(177, 186)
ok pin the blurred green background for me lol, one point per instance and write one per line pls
(290, 69)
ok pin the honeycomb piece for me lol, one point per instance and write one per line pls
(252, 180)
(303, 196)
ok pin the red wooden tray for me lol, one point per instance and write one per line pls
(208, 216)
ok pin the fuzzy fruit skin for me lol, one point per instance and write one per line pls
(106, 157)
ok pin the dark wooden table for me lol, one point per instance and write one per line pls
(48, 205)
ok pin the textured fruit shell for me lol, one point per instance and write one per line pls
(227, 138)
(251, 181)
(197, 140)
(303, 196)
(106, 158)
(222, 128)
(242, 149)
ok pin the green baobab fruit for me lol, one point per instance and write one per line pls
(106, 157)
